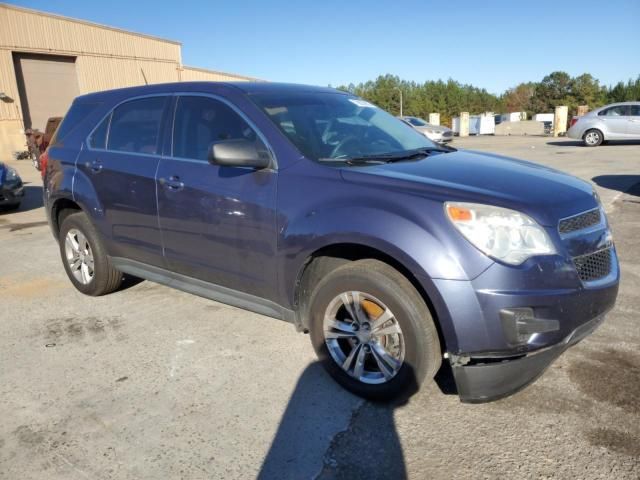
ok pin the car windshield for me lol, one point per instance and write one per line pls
(418, 122)
(339, 127)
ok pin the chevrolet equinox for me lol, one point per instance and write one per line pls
(316, 207)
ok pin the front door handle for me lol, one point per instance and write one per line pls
(94, 167)
(172, 183)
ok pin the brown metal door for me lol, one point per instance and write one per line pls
(47, 84)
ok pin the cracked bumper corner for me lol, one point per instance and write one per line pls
(485, 381)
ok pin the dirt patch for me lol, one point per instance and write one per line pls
(615, 441)
(14, 227)
(69, 329)
(29, 288)
(609, 376)
(26, 435)
(546, 400)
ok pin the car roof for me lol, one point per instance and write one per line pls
(617, 104)
(248, 88)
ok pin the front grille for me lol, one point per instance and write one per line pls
(579, 222)
(593, 266)
(447, 134)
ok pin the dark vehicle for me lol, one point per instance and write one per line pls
(11, 188)
(313, 206)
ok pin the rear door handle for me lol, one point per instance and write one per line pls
(172, 183)
(95, 166)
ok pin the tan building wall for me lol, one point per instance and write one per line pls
(192, 74)
(105, 58)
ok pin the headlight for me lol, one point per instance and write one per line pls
(12, 175)
(506, 235)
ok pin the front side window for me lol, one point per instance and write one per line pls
(416, 122)
(135, 126)
(620, 110)
(201, 121)
(338, 126)
(635, 111)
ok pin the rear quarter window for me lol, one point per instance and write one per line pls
(78, 112)
(98, 138)
(617, 111)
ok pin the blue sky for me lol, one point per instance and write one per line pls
(490, 44)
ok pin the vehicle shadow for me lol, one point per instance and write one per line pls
(579, 143)
(565, 143)
(622, 183)
(32, 199)
(369, 447)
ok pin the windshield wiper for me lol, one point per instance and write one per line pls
(390, 157)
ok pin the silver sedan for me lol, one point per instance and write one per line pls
(435, 133)
(618, 121)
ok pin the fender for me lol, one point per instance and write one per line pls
(84, 194)
(398, 236)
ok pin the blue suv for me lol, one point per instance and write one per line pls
(316, 207)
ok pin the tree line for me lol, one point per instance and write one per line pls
(449, 98)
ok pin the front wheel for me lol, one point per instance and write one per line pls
(593, 138)
(372, 331)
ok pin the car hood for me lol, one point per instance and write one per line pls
(434, 128)
(544, 194)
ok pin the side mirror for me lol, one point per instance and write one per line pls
(238, 153)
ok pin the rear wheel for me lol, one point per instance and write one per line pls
(593, 138)
(84, 257)
(372, 331)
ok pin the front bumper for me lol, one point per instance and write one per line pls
(11, 194)
(488, 380)
(489, 358)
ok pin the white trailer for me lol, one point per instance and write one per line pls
(478, 124)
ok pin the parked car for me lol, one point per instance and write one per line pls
(316, 207)
(618, 121)
(37, 141)
(11, 188)
(435, 133)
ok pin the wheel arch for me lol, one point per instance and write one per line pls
(329, 257)
(61, 208)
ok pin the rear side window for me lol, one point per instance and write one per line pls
(635, 111)
(618, 111)
(201, 121)
(135, 126)
(98, 138)
(74, 117)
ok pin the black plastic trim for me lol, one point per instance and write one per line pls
(206, 290)
(492, 379)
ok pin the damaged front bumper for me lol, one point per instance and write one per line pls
(482, 379)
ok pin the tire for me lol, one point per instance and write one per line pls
(415, 351)
(593, 138)
(102, 278)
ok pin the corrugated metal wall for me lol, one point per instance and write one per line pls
(106, 58)
(36, 31)
(101, 73)
(191, 74)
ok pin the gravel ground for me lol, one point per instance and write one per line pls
(153, 383)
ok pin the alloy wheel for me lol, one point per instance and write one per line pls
(363, 337)
(79, 256)
(592, 138)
